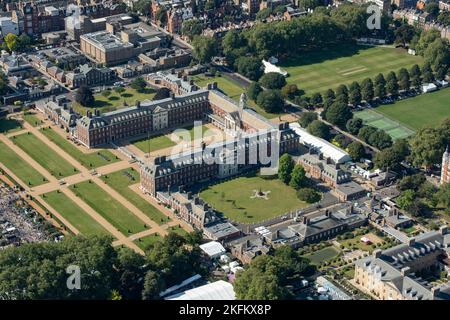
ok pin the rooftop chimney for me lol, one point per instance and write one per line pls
(328, 213)
(411, 241)
(443, 230)
(435, 291)
(377, 253)
(405, 271)
(305, 220)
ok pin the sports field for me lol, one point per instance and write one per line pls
(88, 160)
(43, 155)
(20, 167)
(323, 255)
(232, 90)
(377, 120)
(425, 110)
(328, 68)
(234, 198)
(119, 216)
(121, 180)
(74, 214)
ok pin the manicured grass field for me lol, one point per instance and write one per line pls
(168, 140)
(74, 214)
(121, 180)
(20, 167)
(323, 255)
(378, 120)
(114, 212)
(88, 160)
(154, 143)
(233, 90)
(144, 242)
(31, 119)
(45, 156)
(115, 101)
(328, 68)
(178, 230)
(9, 125)
(234, 199)
(425, 110)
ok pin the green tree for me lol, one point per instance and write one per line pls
(204, 48)
(404, 34)
(192, 28)
(250, 67)
(84, 96)
(354, 125)
(380, 86)
(289, 91)
(354, 96)
(392, 83)
(298, 177)
(316, 99)
(406, 199)
(12, 42)
(342, 93)
(253, 90)
(272, 80)
(271, 101)
(338, 114)
(367, 92)
(356, 150)
(285, 167)
(427, 73)
(153, 285)
(380, 139)
(306, 118)
(161, 16)
(308, 195)
(138, 84)
(319, 129)
(365, 132)
(404, 81)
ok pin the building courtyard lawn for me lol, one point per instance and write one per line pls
(234, 199)
(327, 68)
(425, 110)
(116, 101)
(323, 255)
(44, 155)
(20, 167)
(121, 180)
(109, 208)
(88, 160)
(169, 140)
(232, 90)
(74, 214)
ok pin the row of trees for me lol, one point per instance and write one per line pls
(38, 271)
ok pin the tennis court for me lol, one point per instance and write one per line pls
(379, 121)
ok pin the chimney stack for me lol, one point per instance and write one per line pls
(435, 291)
(377, 253)
(411, 241)
(443, 230)
(405, 271)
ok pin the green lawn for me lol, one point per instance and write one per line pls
(154, 143)
(45, 156)
(90, 160)
(121, 180)
(425, 110)
(144, 242)
(323, 255)
(74, 214)
(116, 101)
(233, 199)
(114, 212)
(20, 167)
(178, 230)
(31, 119)
(320, 70)
(233, 90)
(166, 141)
(10, 125)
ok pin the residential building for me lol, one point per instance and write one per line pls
(176, 82)
(7, 25)
(323, 169)
(317, 227)
(248, 248)
(394, 274)
(89, 76)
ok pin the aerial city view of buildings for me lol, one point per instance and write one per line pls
(225, 150)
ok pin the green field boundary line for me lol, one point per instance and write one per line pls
(395, 121)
